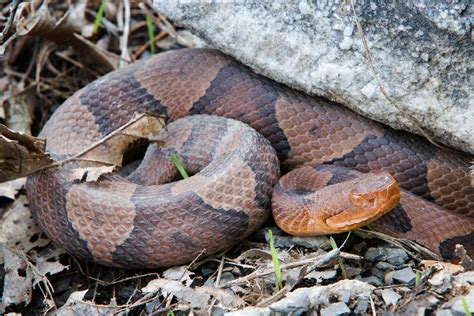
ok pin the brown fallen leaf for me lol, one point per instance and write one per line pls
(446, 266)
(20, 154)
(30, 20)
(103, 156)
(10, 188)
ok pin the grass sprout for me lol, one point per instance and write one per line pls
(98, 17)
(465, 307)
(276, 264)
(151, 34)
(179, 166)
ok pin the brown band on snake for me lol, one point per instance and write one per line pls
(304, 130)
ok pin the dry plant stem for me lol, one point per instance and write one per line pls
(219, 271)
(145, 46)
(392, 101)
(48, 286)
(13, 6)
(95, 145)
(372, 306)
(275, 297)
(401, 243)
(313, 262)
(124, 38)
(125, 280)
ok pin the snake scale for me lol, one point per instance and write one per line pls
(145, 219)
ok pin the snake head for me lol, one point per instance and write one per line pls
(371, 197)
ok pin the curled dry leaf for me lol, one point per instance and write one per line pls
(107, 153)
(76, 305)
(20, 154)
(10, 188)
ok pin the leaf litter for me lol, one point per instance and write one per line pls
(60, 55)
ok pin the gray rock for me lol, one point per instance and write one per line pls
(405, 275)
(421, 53)
(465, 277)
(378, 273)
(352, 271)
(251, 311)
(335, 309)
(388, 278)
(390, 296)
(375, 254)
(456, 304)
(308, 242)
(361, 306)
(444, 312)
(322, 275)
(396, 256)
(384, 266)
(373, 280)
(441, 282)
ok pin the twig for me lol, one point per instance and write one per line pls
(124, 38)
(219, 271)
(14, 5)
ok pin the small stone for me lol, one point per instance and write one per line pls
(373, 280)
(405, 275)
(358, 247)
(226, 277)
(335, 309)
(218, 311)
(390, 297)
(444, 312)
(457, 307)
(466, 277)
(396, 256)
(362, 305)
(378, 273)
(375, 254)
(322, 275)
(346, 296)
(384, 266)
(441, 281)
(388, 278)
(352, 271)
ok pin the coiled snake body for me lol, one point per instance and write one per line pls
(136, 221)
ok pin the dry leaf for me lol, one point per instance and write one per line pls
(76, 305)
(16, 287)
(91, 174)
(17, 227)
(42, 23)
(10, 188)
(180, 273)
(446, 266)
(20, 154)
(108, 152)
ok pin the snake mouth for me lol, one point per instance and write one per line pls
(369, 200)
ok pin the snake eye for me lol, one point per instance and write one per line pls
(366, 199)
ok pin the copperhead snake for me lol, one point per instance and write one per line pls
(146, 219)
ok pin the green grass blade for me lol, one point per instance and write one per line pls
(151, 34)
(465, 307)
(339, 260)
(179, 166)
(98, 17)
(276, 264)
(170, 312)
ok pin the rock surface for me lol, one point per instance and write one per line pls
(422, 54)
